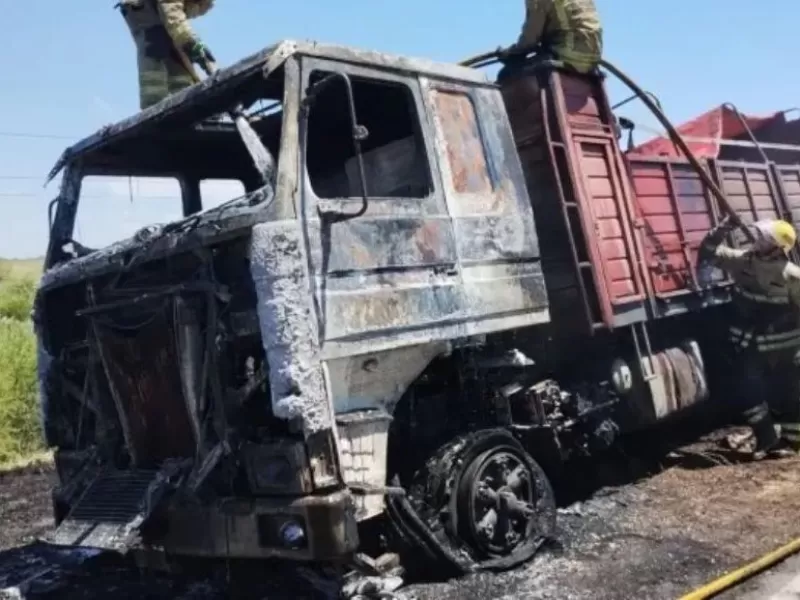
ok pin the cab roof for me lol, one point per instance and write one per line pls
(240, 80)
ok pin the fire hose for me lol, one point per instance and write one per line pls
(488, 58)
(743, 573)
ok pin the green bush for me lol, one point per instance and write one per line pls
(16, 298)
(20, 430)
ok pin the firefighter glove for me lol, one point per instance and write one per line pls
(721, 231)
(726, 224)
(199, 53)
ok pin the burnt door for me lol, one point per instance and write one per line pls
(484, 187)
(382, 253)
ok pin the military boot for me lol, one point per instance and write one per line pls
(767, 439)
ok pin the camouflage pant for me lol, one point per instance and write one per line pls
(161, 72)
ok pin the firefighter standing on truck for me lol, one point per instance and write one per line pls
(567, 30)
(765, 334)
(159, 27)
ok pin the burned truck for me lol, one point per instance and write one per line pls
(434, 289)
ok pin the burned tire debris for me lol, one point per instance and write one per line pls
(655, 538)
(468, 487)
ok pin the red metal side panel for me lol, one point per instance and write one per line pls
(675, 215)
(607, 210)
(790, 177)
(750, 190)
(584, 98)
(603, 193)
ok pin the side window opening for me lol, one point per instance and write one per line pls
(113, 208)
(395, 159)
(214, 192)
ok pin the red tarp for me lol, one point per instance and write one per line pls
(720, 123)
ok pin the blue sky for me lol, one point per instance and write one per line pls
(68, 68)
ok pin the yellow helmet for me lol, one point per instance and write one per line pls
(784, 234)
(778, 233)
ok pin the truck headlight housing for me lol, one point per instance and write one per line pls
(292, 535)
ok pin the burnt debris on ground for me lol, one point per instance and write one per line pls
(657, 537)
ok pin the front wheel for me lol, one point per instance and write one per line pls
(502, 501)
(490, 498)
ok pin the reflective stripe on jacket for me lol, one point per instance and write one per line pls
(791, 432)
(764, 342)
(766, 294)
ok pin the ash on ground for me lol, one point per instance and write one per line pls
(701, 514)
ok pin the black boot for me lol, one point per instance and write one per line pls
(767, 439)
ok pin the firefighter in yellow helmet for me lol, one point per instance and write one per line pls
(765, 332)
(159, 27)
(567, 30)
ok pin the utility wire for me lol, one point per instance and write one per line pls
(36, 136)
(90, 196)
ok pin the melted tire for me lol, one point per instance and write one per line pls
(437, 509)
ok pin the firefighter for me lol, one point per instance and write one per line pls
(765, 334)
(159, 27)
(567, 30)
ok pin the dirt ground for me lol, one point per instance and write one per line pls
(656, 538)
(660, 537)
(25, 510)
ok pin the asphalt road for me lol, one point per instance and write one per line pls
(781, 582)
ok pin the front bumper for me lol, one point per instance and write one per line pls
(252, 528)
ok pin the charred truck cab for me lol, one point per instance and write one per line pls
(431, 287)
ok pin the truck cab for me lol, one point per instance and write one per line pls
(235, 372)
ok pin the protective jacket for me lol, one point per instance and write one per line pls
(766, 294)
(157, 27)
(175, 15)
(765, 334)
(570, 29)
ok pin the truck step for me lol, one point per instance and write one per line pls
(110, 512)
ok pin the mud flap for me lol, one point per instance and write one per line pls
(112, 510)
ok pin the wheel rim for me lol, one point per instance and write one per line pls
(502, 501)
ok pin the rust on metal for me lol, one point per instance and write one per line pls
(592, 189)
(144, 378)
(543, 153)
(675, 216)
(456, 116)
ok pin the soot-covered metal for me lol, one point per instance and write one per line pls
(358, 354)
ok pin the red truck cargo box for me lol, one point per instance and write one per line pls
(632, 224)
(675, 212)
(579, 188)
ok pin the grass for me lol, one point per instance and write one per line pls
(41, 458)
(20, 430)
(26, 268)
(16, 298)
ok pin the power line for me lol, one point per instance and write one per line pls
(90, 197)
(35, 136)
